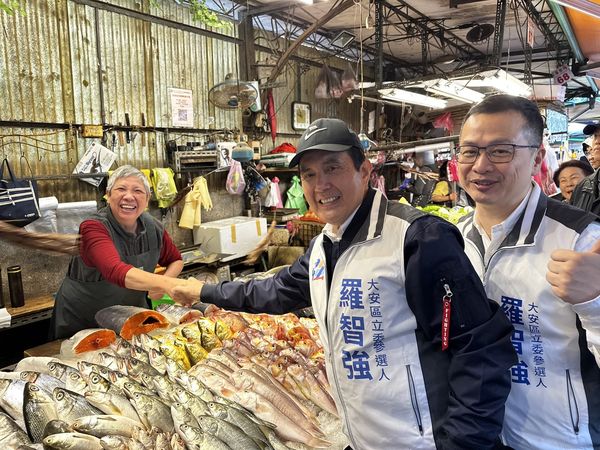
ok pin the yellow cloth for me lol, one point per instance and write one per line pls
(197, 198)
(163, 184)
(441, 188)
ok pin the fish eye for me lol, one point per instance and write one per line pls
(59, 394)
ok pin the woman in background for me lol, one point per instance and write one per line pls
(442, 193)
(568, 175)
(120, 247)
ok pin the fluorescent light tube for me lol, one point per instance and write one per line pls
(447, 88)
(500, 80)
(404, 96)
(583, 6)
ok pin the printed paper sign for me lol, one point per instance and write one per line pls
(182, 107)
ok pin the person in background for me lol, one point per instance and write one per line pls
(383, 279)
(568, 175)
(509, 239)
(586, 194)
(585, 148)
(120, 248)
(442, 193)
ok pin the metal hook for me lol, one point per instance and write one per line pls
(39, 158)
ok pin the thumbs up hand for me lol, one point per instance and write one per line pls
(575, 276)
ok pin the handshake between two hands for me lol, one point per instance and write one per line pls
(185, 292)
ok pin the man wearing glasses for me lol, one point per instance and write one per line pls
(509, 240)
(587, 193)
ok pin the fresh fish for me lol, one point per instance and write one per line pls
(182, 415)
(145, 341)
(231, 434)
(176, 351)
(72, 441)
(195, 351)
(57, 426)
(102, 425)
(115, 442)
(132, 387)
(157, 360)
(239, 418)
(178, 314)
(112, 404)
(87, 340)
(312, 389)
(38, 410)
(135, 368)
(146, 437)
(87, 368)
(177, 443)
(164, 387)
(128, 321)
(70, 405)
(119, 379)
(210, 340)
(163, 441)
(247, 380)
(286, 428)
(223, 356)
(212, 362)
(113, 362)
(199, 389)
(11, 399)
(58, 369)
(44, 381)
(195, 438)
(196, 405)
(11, 434)
(140, 354)
(35, 364)
(97, 382)
(153, 412)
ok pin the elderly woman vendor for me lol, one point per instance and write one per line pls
(120, 247)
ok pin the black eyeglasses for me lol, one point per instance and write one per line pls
(496, 153)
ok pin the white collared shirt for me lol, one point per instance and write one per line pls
(500, 230)
(335, 237)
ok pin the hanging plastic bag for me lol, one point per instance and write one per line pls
(444, 121)
(328, 84)
(349, 81)
(235, 183)
(273, 199)
(295, 196)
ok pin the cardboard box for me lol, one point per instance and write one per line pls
(236, 235)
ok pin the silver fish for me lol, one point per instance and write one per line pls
(139, 353)
(135, 368)
(157, 360)
(56, 426)
(11, 434)
(239, 418)
(231, 434)
(38, 410)
(72, 441)
(70, 405)
(114, 404)
(11, 399)
(102, 425)
(195, 438)
(35, 364)
(43, 380)
(153, 412)
(182, 415)
(195, 404)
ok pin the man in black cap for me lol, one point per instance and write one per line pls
(586, 194)
(416, 355)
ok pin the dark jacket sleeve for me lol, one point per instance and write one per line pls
(473, 372)
(286, 291)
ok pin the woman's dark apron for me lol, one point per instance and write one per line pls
(84, 291)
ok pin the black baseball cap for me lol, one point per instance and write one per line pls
(591, 129)
(332, 135)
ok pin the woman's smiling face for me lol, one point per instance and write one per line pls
(127, 200)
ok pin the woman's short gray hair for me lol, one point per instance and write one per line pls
(126, 172)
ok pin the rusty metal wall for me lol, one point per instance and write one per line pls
(64, 62)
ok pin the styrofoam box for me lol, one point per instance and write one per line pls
(235, 235)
